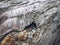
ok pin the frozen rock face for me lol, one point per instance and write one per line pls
(45, 13)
